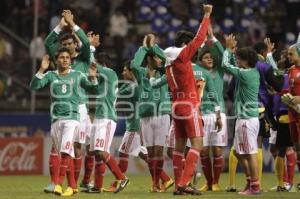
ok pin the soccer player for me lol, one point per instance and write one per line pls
(264, 99)
(154, 108)
(267, 79)
(127, 102)
(80, 62)
(246, 109)
(294, 90)
(103, 129)
(89, 160)
(64, 84)
(213, 113)
(185, 104)
(283, 140)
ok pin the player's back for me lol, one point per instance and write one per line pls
(263, 94)
(182, 82)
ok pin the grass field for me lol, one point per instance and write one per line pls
(30, 187)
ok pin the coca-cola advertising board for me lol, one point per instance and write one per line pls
(21, 156)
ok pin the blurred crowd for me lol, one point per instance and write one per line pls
(122, 24)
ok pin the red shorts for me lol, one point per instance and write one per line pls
(189, 124)
(294, 125)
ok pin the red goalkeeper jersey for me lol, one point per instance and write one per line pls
(294, 89)
(179, 70)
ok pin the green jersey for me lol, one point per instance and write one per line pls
(209, 100)
(161, 92)
(81, 62)
(128, 98)
(64, 92)
(108, 88)
(154, 99)
(217, 73)
(246, 89)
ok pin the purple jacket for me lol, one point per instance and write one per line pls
(263, 95)
(278, 106)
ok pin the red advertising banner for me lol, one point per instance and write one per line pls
(21, 156)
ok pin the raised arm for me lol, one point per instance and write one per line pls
(227, 57)
(51, 41)
(191, 48)
(137, 62)
(41, 80)
(270, 49)
(159, 52)
(85, 48)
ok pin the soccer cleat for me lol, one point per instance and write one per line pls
(231, 189)
(93, 190)
(176, 192)
(215, 187)
(298, 186)
(85, 185)
(121, 184)
(166, 185)
(205, 188)
(187, 190)
(68, 192)
(49, 188)
(112, 187)
(288, 186)
(58, 190)
(249, 192)
(281, 189)
(75, 191)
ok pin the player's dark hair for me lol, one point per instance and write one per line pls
(61, 50)
(260, 47)
(249, 55)
(150, 55)
(183, 37)
(67, 36)
(203, 52)
(104, 59)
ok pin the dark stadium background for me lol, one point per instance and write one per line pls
(22, 29)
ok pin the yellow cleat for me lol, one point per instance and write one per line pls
(68, 192)
(205, 188)
(58, 189)
(215, 187)
(166, 185)
(75, 191)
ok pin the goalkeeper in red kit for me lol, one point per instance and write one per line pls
(185, 103)
(294, 102)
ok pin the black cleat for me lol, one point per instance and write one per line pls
(281, 189)
(188, 190)
(121, 184)
(92, 190)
